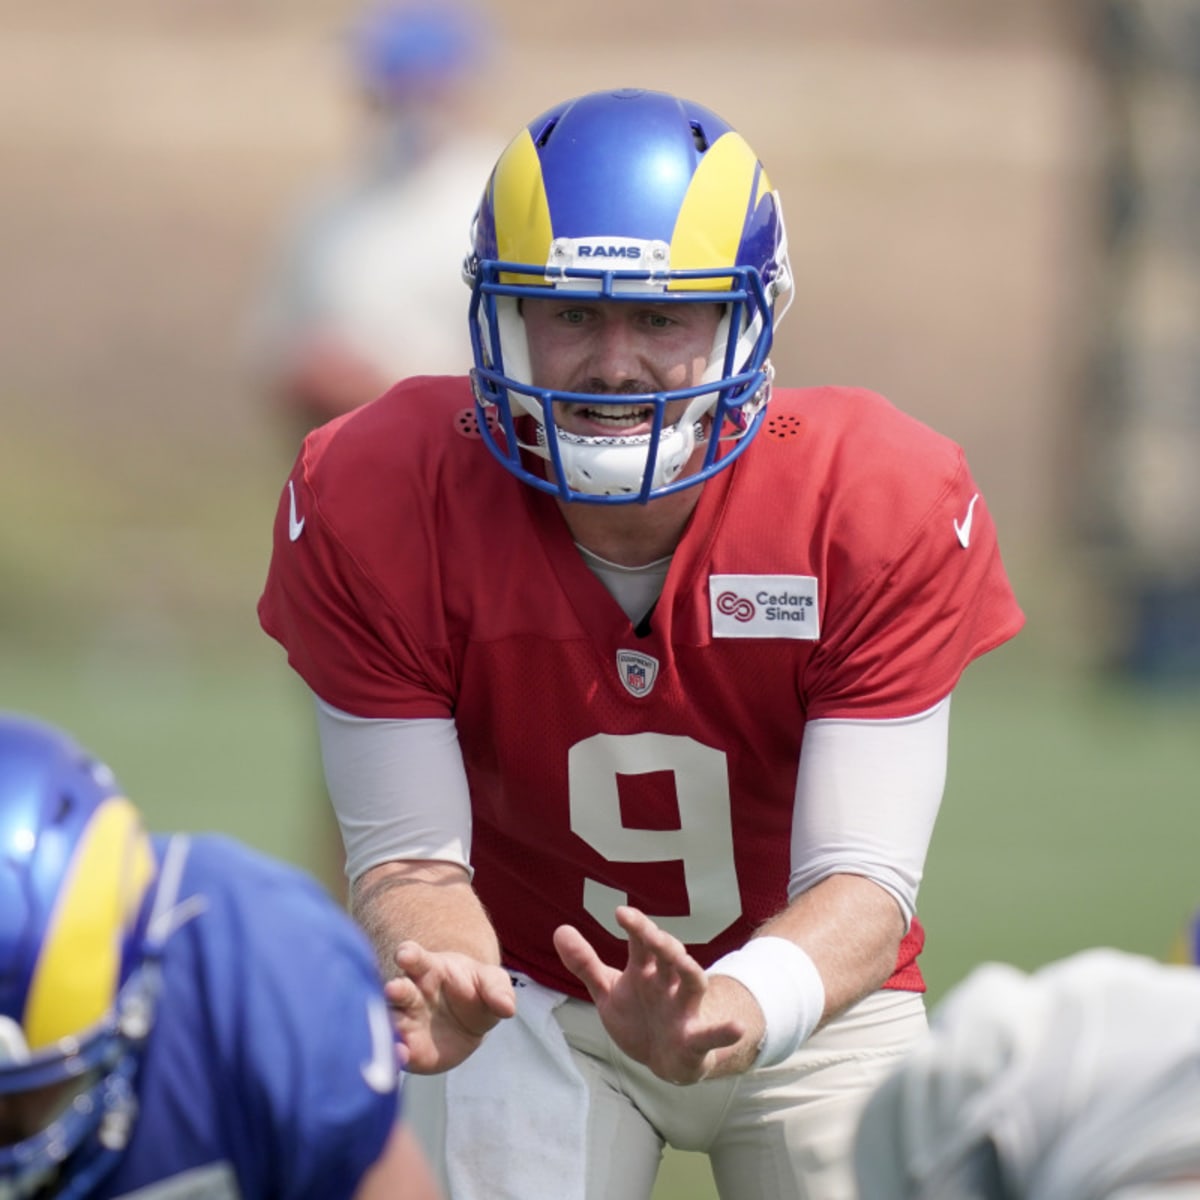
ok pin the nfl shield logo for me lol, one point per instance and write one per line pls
(637, 671)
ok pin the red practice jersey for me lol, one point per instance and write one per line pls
(844, 566)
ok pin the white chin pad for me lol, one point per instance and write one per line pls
(617, 466)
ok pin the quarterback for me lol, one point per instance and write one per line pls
(633, 682)
(154, 1040)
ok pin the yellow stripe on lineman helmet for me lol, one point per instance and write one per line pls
(79, 967)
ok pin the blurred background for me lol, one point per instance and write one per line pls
(992, 218)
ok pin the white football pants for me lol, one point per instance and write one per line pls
(528, 1133)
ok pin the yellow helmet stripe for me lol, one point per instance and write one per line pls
(1186, 945)
(522, 212)
(709, 227)
(78, 969)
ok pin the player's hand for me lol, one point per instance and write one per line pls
(662, 1009)
(443, 1004)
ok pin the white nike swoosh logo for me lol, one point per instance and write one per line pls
(295, 524)
(382, 1071)
(964, 530)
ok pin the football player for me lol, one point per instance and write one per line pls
(633, 682)
(159, 1033)
(335, 324)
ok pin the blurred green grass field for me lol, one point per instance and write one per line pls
(1070, 816)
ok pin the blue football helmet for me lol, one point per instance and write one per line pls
(77, 987)
(404, 50)
(625, 195)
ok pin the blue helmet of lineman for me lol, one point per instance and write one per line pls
(619, 196)
(1187, 942)
(76, 993)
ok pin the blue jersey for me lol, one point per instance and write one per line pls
(270, 1072)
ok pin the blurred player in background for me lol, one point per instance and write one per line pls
(1139, 442)
(1080, 1081)
(338, 323)
(155, 1038)
(653, 712)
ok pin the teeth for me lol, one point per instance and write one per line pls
(619, 412)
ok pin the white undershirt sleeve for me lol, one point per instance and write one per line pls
(398, 787)
(867, 796)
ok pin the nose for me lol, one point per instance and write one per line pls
(616, 352)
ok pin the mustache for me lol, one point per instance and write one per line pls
(631, 387)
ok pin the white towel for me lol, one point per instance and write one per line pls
(516, 1110)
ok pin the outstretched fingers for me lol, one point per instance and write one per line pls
(497, 994)
(580, 958)
(659, 1008)
(444, 1003)
(655, 953)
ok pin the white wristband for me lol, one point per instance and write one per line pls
(788, 987)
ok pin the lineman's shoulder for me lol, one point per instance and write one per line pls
(237, 901)
(266, 1017)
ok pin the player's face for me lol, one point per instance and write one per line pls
(617, 348)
